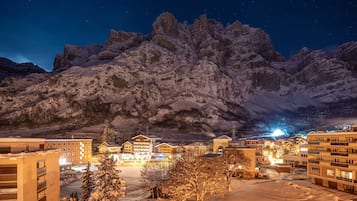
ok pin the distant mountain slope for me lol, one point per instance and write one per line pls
(9, 68)
(182, 78)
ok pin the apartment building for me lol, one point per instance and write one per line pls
(73, 151)
(332, 159)
(28, 171)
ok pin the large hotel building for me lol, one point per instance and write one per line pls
(332, 159)
(28, 171)
(73, 151)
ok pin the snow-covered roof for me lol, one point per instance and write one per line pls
(164, 143)
(224, 137)
(22, 139)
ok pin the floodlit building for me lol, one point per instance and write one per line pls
(221, 142)
(196, 148)
(73, 151)
(332, 159)
(297, 159)
(258, 144)
(144, 146)
(166, 148)
(113, 149)
(28, 171)
(248, 168)
(127, 147)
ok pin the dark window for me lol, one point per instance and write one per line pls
(5, 150)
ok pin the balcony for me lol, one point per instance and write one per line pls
(313, 152)
(314, 161)
(339, 154)
(339, 164)
(41, 186)
(42, 199)
(313, 142)
(339, 143)
(344, 179)
(41, 171)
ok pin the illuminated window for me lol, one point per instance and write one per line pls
(330, 173)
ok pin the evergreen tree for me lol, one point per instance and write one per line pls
(108, 183)
(87, 183)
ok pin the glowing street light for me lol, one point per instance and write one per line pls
(277, 132)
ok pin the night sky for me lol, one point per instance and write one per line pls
(35, 30)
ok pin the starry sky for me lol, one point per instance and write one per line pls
(35, 30)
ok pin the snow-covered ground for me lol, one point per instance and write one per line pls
(283, 190)
(283, 187)
(131, 175)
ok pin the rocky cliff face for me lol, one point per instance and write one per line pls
(182, 78)
(9, 68)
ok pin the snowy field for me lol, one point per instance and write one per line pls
(278, 188)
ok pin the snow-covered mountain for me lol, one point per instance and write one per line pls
(182, 78)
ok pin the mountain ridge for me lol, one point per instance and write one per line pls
(182, 78)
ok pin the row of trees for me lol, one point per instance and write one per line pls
(193, 177)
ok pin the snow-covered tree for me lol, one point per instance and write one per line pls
(87, 183)
(194, 178)
(110, 135)
(107, 181)
(153, 174)
(233, 162)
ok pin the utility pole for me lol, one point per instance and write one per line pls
(234, 126)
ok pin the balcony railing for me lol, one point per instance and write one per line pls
(339, 154)
(41, 186)
(41, 171)
(314, 161)
(313, 142)
(344, 179)
(313, 152)
(339, 143)
(42, 199)
(339, 164)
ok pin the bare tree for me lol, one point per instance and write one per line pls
(153, 174)
(194, 177)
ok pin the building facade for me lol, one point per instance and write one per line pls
(127, 147)
(166, 148)
(299, 159)
(143, 146)
(248, 162)
(332, 159)
(28, 171)
(73, 151)
(196, 148)
(219, 143)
